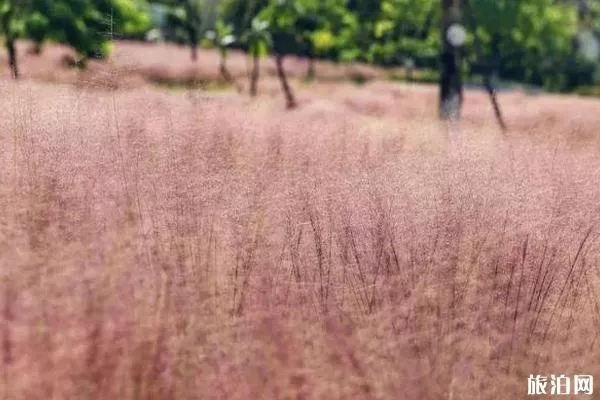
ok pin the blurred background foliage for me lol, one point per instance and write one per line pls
(547, 43)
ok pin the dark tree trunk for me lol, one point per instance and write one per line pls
(487, 82)
(12, 57)
(287, 90)
(451, 93)
(192, 28)
(6, 23)
(254, 76)
(193, 44)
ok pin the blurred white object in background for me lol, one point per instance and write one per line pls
(588, 45)
(154, 36)
(456, 35)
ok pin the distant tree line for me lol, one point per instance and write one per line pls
(549, 43)
(532, 41)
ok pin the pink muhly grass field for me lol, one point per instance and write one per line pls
(169, 246)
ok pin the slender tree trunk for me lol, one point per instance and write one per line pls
(193, 45)
(310, 72)
(223, 69)
(227, 75)
(254, 75)
(487, 82)
(192, 28)
(287, 90)
(451, 93)
(12, 57)
(11, 49)
(488, 68)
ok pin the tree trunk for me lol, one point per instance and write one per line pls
(223, 69)
(12, 57)
(287, 90)
(37, 48)
(487, 82)
(451, 93)
(192, 28)
(488, 67)
(193, 45)
(310, 72)
(6, 23)
(254, 76)
(226, 75)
